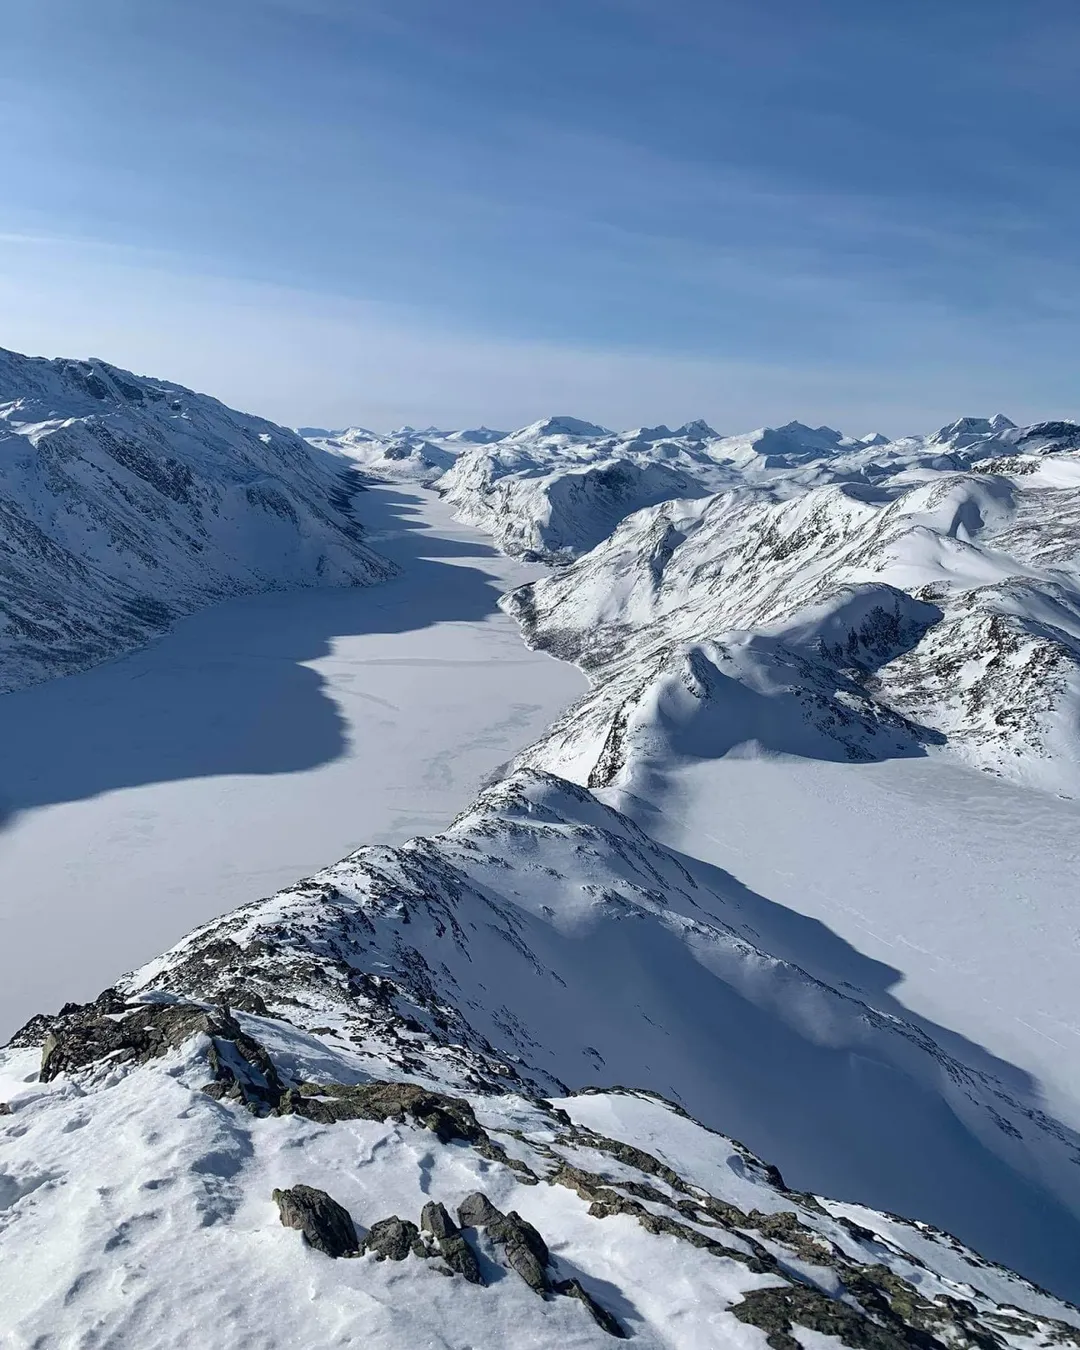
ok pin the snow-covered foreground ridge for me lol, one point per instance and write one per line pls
(126, 502)
(410, 1027)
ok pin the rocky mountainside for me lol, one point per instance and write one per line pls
(396, 1057)
(127, 502)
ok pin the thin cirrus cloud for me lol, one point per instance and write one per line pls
(840, 209)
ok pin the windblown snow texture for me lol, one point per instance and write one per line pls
(127, 502)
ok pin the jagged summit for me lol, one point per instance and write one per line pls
(698, 430)
(966, 430)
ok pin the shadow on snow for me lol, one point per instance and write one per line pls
(227, 690)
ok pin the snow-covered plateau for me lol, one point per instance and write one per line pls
(736, 1004)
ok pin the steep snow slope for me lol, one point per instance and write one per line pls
(796, 686)
(146, 1219)
(126, 502)
(475, 964)
(257, 740)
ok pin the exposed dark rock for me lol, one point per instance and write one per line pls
(476, 1210)
(524, 1249)
(32, 1032)
(134, 1033)
(637, 1157)
(777, 1310)
(605, 1200)
(786, 1227)
(35, 1031)
(246, 1000)
(5, 1109)
(460, 1257)
(449, 1118)
(243, 1072)
(82, 1035)
(775, 1177)
(393, 1239)
(326, 1226)
(435, 1220)
(601, 1316)
(530, 1236)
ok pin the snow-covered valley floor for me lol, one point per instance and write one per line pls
(260, 739)
(930, 890)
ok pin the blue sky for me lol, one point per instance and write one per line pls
(461, 210)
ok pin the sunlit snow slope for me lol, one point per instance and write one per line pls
(127, 502)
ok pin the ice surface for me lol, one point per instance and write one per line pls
(258, 740)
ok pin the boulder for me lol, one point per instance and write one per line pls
(435, 1220)
(524, 1249)
(460, 1257)
(393, 1239)
(326, 1226)
(476, 1210)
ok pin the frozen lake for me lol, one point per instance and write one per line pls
(955, 888)
(261, 739)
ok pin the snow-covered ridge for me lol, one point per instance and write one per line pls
(394, 1021)
(400, 1054)
(848, 620)
(126, 502)
(556, 488)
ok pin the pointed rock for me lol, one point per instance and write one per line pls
(476, 1210)
(436, 1221)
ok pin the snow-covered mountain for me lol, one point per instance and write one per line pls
(126, 502)
(556, 488)
(524, 1073)
(406, 456)
(844, 621)
(415, 1026)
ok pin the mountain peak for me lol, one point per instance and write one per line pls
(559, 426)
(697, 430)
